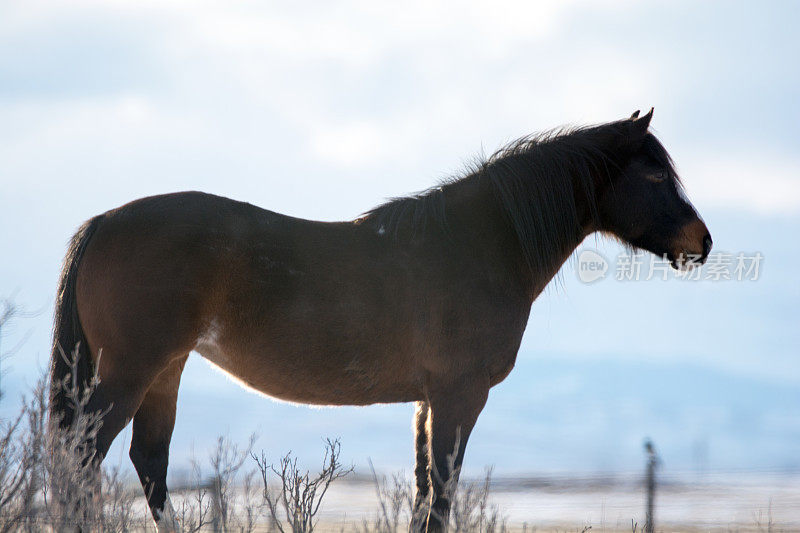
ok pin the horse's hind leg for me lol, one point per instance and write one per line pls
(152, 432)
(117, 397)
(422, 470)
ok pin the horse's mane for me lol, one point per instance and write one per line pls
(534, 180)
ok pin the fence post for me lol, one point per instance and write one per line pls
(650, 484)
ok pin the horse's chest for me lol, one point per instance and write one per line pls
(501, 366)
(499, 343)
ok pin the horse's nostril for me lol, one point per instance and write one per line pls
(707, 242)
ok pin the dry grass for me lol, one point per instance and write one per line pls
(470, 508)
(45, 486)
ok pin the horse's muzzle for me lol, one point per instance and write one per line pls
(707, 244)
(692, 246)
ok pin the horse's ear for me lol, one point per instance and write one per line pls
(629, 134)
(640, 124)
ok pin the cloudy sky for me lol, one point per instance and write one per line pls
(321, 110)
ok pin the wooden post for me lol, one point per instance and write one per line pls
(650, 485)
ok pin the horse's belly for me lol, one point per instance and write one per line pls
(309, 382)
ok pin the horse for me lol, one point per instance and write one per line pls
(422, 299)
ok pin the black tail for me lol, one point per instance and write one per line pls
(70, 349)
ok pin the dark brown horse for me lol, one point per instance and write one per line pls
(423, 299)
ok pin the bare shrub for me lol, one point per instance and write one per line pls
(8, 312)
(470, 509)
(72, 478)
(233, 510)
(118, 499)
(293, 506)
(395, 505)
(23, 456)
(47, 480)
(18, 478)
(194, 510)
(21, 449)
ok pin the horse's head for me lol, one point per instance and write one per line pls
(644, 204)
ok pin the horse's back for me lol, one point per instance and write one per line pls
(268, 297)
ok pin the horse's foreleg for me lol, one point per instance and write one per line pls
(152, 432)
(455, 406)
(422, 469)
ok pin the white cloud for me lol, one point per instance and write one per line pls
(359, 87)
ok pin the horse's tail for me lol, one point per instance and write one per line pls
(70, 361)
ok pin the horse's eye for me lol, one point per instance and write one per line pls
(656, 176)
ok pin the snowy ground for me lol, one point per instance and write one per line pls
(730, 502)
(743, 502)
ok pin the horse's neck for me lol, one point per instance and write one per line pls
(499, 235)
(540, 280)
(585, 227)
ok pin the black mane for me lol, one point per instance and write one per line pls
(535, 180)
